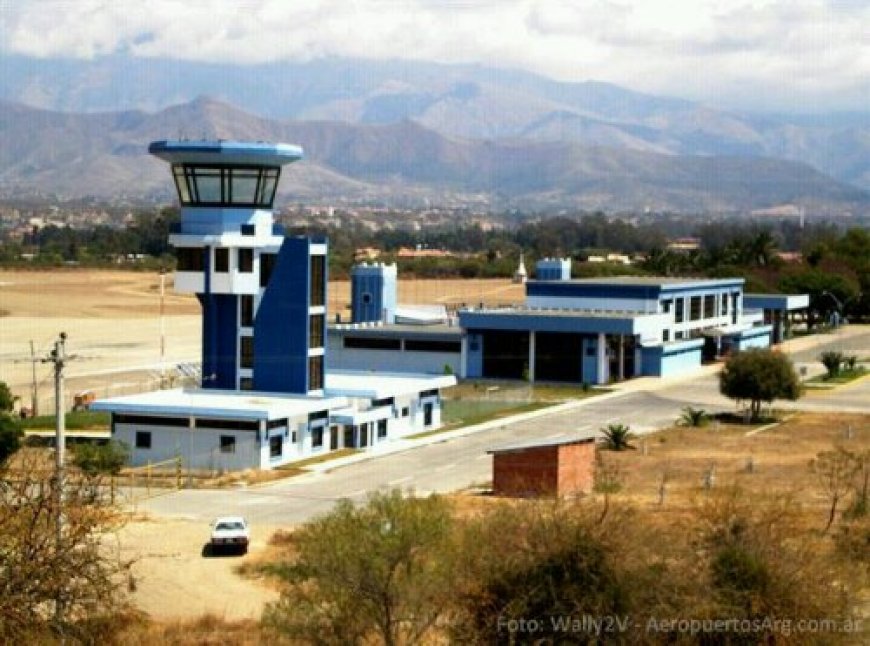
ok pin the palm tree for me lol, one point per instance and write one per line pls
(617, 436)
(694, 417)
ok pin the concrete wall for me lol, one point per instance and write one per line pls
(340, 358)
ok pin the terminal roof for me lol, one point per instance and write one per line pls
(257, 153)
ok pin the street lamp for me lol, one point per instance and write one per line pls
(839, 306)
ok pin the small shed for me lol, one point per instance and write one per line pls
(560, 466)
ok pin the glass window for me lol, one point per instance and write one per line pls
(246, 260)
(222, 260)
(666, 306)
(181, 184)
(315, 373)
(246, 352)
(382, 429)
(276, 446)
(678, 311)
(190, 259)
(406, 411)
(318, 275)
(143, 439)
(266, 190)
(267, 264)
(695, 308)
(710, 306)
(243, 188)
(228, 444)
(723, 298)
(246, 318)
(317, 437)
(666, 336)
(208, 185)
(315, 330)
(246, 383)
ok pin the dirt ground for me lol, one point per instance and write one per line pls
(112, 319)
(174, 581)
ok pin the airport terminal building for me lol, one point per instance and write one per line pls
(593, 330)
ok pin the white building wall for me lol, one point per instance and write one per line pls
(650, 305)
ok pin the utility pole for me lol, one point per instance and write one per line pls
(58, 358)
(162, 328)
(34, 389)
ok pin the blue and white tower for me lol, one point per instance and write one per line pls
(263, 295)
(373, 293)
(553, 269)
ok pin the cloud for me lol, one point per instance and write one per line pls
(754, 54)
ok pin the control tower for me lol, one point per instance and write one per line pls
(263, 295)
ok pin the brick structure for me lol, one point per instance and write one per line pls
(560, 467)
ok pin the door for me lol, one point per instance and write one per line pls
(427, 414)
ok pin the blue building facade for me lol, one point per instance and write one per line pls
(263, 295)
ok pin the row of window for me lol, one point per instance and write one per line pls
(411, 345)
(225, 186)
(700, 307)
(193, 259)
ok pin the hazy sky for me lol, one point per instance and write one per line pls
(790, 54)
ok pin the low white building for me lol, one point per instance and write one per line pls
(234, 430)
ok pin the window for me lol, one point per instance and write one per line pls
(678, 312)
(318, 276)
(315, 373)
(277, 423)
(372, 343)
(317, 437)
(248, 229)
(429, 393)
(723, 298)
(189, 259)
(406, 411)
(143, 439)
(666, 306)
(386, 401)
(315, 330)
(710, 306)
(433, 346)
(228, 444)
(246, 260)
(246, 310)
(276, 446)
(366, 298)
(150, 420)
(678, 335)
(695, 308)
(229, 424)
(666, 336)
(267, 264)
(222, 260)
(382, 429)
(321, 414)
(246, 352)
(246, 383)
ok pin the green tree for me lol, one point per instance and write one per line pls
(833, 361)
(366, 572)
(617, 437)
(10, 436)
(759, 375)
(7, 399)
(101, 459)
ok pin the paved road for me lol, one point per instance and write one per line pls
(462, 461)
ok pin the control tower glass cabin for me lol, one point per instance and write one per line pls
(263, 295)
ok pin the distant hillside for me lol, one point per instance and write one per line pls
(104, 155)
(455, 100)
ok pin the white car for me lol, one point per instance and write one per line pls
(230, 532)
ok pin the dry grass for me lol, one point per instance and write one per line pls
(208, 630)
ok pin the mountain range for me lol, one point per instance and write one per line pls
(411, 133)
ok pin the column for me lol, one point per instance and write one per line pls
(602, 376)
(531, 356)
